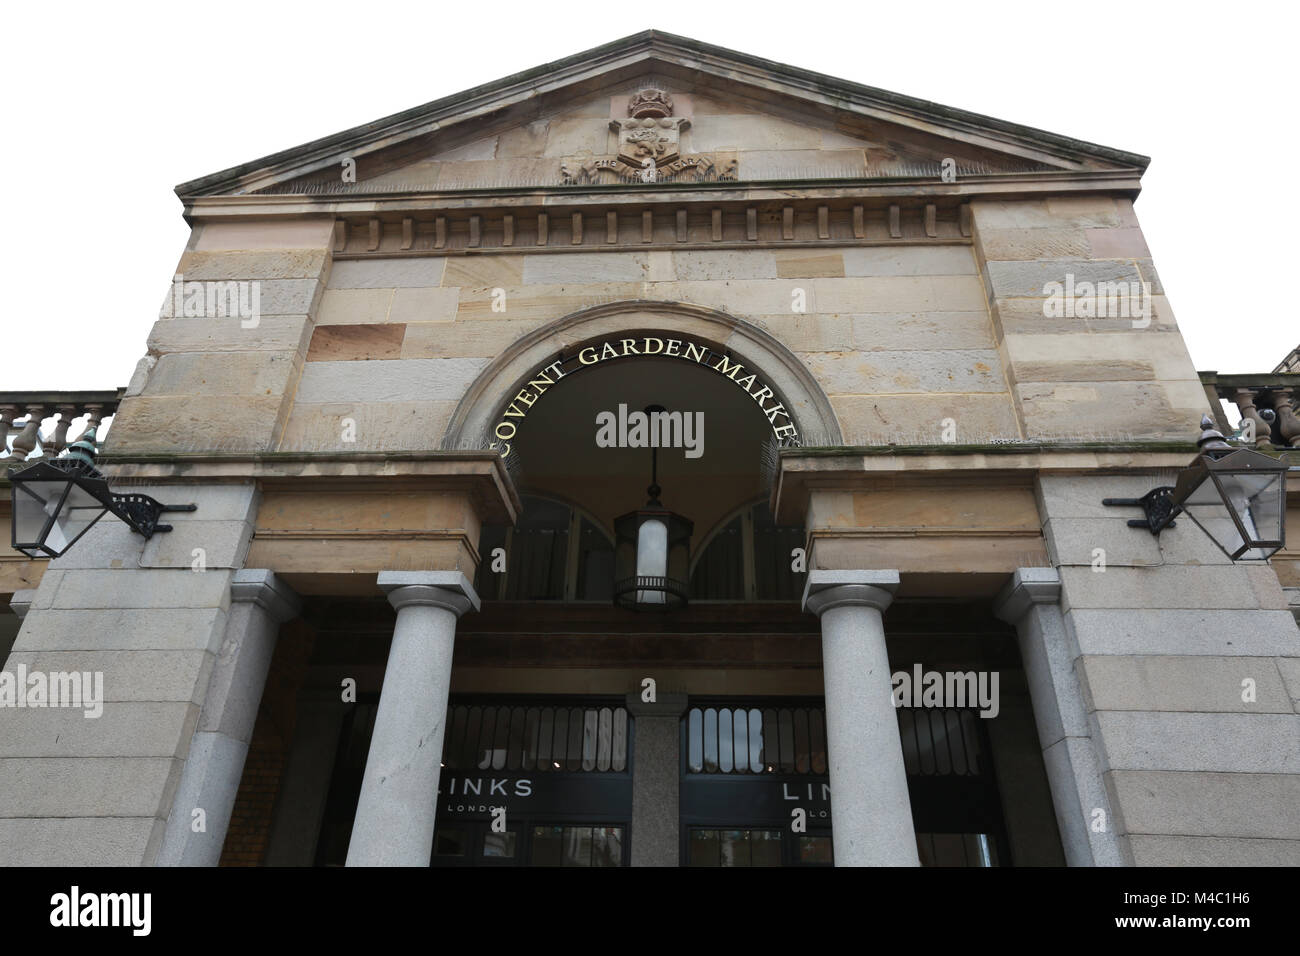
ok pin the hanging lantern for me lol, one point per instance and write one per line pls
(652, 551)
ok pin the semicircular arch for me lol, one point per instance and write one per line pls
(492, 390)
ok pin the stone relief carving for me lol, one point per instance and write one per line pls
(649, 149)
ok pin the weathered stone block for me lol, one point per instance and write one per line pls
(314, 233)
(1151, 850)
(223, 373)
(126, 729)
(288, 296)
(1234, 743)
(79, 841)
(352, 343)
(91, 787)
(698, 266)
(273, 333)
(1110, 411)
(899, 294)
(388, 273)
(1032, 278)
(406, 380)
(1022, 244)
(405, 426)
(424, 305)
(1172, 587)
(354, 306)
(740, 130)
(953, 370)
(128, 675)
(1084, 357)
(1182, 683)
(262, 264)
(1212, 804)
(468, 339)
(1076, 541)
(485, 272)
(210, 545)
(811, 333)
(1184, 632)
(811, 263)
(138, 588)
(127, 629)
(909, 261)
(923, 331)
(923, 419)
(1096, 212)
(172, 423)
(585, 267)
(1122, 243)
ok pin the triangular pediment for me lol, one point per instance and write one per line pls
(726, 117)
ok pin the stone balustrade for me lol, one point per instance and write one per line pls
(1271, 401)
(37, 424)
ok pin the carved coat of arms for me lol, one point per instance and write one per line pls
(649, 148)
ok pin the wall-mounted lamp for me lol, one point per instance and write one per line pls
(55, 502)
(1237, 496)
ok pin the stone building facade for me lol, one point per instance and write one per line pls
(925, 345)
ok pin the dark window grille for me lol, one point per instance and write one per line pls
(792, 740)
(536, 738)
(537, 557)
(719, 572)
(721, 568)
(773, 546)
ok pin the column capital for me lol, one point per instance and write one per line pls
(666, 704)
(1027, 587)
(830, 589)
(449, 590)
(261, 587)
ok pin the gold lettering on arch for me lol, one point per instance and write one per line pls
(541, 380)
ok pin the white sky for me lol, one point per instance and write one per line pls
(108, 107)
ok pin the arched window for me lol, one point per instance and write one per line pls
(554, 553)
(748, 559)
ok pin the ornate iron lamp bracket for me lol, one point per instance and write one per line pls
(1157, 505)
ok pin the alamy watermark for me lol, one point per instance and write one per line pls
(1098, 300)
(922, 688)
(130, 910)
(654, 429)
(23, 688)
(208, 299)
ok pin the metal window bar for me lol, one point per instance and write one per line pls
(936, 742)
(533, 738)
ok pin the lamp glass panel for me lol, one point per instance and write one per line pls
(652, 557)
(1207, 508)
(1258, 500)
(79, 512)
(35, 503)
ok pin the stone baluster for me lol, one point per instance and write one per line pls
(7, 414)
(93, 415)
(1288, 421)
(59, 439)
(1245, 401)
(26, 440)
